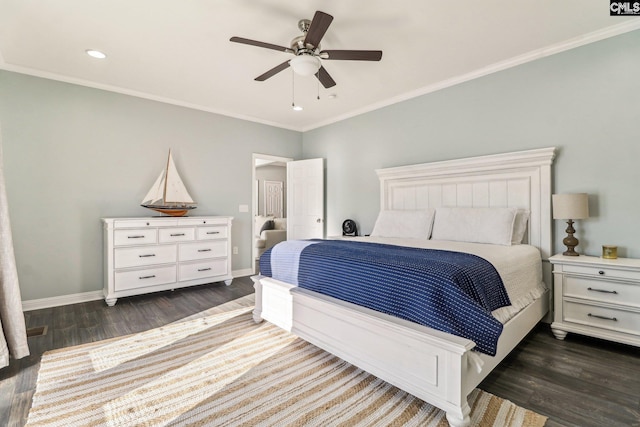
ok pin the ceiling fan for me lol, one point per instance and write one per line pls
(308, 53)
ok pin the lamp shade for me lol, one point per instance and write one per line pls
(305, 65)
(570, 206)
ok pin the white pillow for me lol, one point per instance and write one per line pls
(280, 223)
(477, 225)
(520, 226)
(413, 223)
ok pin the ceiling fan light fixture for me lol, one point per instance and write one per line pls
(305, 65)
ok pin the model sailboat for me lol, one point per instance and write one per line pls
(168, 194)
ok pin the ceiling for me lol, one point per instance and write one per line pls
(179, 51)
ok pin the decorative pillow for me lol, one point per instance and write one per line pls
(477, 225)
(520, 226)
(268, 225)
(280, 223)
(259, 223)
(413, 223)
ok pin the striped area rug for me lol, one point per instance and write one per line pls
(224, 370)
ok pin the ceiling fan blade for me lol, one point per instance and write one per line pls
(260, 44)
(325, 78)
(352, 55)
(272, 72)
(318, 27)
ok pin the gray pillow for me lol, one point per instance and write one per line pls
(268, 225)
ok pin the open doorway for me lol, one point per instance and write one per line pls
(269, 211)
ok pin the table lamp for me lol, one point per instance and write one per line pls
(570, 207)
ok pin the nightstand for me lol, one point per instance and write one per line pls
(597, 297)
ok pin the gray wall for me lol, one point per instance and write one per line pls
(74, 154)
(585, 101)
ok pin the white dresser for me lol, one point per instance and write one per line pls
(143, 255)
(597, 297)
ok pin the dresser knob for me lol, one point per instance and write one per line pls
(601, 272)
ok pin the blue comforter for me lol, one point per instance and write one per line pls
(453, 292)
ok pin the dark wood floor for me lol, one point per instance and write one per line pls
(577, 382)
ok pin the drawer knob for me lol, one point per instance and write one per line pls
(604, 291)
(213, 232)
(177, 234)
(601, 272)
(135, 237)
(204, 269)
(602, 317)
(147, 277)
(204, 250)
(147, 255)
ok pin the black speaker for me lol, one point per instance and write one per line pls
(349, 228)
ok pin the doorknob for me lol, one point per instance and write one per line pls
(318, 220)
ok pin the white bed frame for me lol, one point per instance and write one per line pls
(432, 365)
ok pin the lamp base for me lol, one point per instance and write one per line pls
(570, 242)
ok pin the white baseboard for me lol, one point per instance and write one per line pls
(242, 273)
(37, 304)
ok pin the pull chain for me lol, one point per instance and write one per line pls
(293, 93)
(293, 90)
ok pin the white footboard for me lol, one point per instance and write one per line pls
(422, 361)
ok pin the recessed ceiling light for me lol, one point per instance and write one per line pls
(95, 54)
(332, 96)
(297, 108)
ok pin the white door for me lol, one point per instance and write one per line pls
(273, 204)
(305, 199)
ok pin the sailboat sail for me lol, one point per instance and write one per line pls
(156, 192)
(175, 191)
(168, 194)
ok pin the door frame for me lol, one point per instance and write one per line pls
(255, 158)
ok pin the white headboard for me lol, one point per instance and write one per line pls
(521, 180)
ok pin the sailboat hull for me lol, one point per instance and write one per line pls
(170, 210)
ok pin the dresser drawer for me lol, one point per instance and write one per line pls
(144, 255)
(603, 272)
(219, 232)
(602, 317)
(199, 270)
(144, 278)
(147, 222)
(195, 251)
(602, 290)
(135, 237)
(168, 235)
(203, 221)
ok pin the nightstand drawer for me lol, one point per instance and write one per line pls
(603, 272)
(601, 290)
(606, 318)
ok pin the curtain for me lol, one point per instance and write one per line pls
(13, 333)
